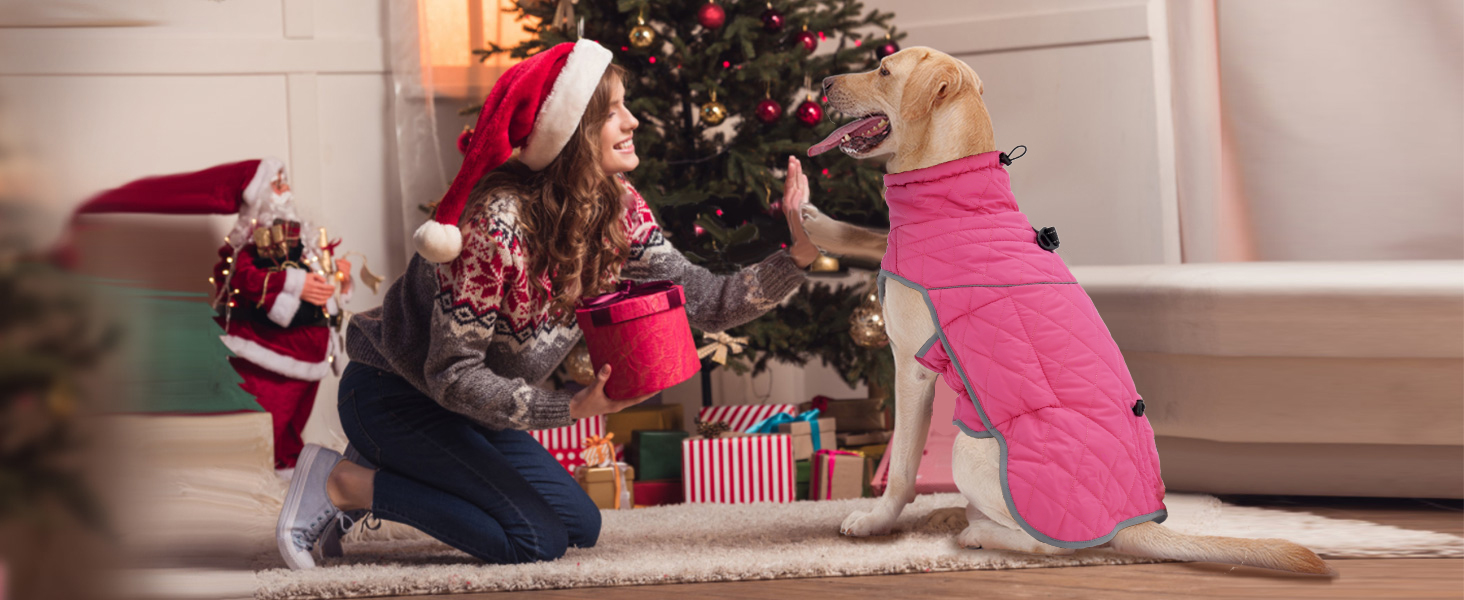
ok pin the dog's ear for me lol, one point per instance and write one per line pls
(928, 86)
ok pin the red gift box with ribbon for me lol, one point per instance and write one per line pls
(641, 331)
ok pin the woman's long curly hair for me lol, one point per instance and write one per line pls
(570, 213)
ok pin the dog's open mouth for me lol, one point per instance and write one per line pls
(857, 138)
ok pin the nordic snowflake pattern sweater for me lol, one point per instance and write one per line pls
(476, 337)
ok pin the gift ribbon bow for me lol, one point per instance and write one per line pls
(600, 452)
(823, 460)
(626, 290)
(712, 430)
(820, 403)
(770, 424)
(721, 345)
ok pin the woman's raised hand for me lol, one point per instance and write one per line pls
(592, 401)
(795, 194)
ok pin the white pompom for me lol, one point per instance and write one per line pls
(438, 243)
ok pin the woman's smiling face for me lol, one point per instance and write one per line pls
(617, 149)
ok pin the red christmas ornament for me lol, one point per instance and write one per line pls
(772, 20)
(809, 41)
(885, 49)
(464, 139)
(768, 111)
(810, 113)
(698, 229)
(711, 16)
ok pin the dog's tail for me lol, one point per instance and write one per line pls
(1153, 540)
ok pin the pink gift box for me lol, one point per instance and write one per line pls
(641, 331)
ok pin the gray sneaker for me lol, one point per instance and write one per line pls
(308, 511)
(330, 541)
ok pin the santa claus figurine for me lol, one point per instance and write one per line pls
(275, 286)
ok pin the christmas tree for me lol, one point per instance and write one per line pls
(725, 92)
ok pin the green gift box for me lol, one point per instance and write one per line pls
(655, 454)
(804, 471)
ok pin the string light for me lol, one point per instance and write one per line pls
(226, 272)
(210, 281)
(229, 259)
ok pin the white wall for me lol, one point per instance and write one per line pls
(1084, 84)
(187, 84)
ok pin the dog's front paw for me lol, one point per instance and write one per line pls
(863, 524)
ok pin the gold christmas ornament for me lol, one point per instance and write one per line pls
(371, 280)
(866, 323)
(578, 366)
(824, 264)
(713, 112)
(642, 36)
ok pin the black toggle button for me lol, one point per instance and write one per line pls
(1047, 238)
(1139, 408)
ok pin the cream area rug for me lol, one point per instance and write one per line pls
(195, 488)
(710, 542)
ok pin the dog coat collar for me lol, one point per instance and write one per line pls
(1024, 348)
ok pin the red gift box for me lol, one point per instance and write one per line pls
(739, 469)
(658, 492)
(642, 333)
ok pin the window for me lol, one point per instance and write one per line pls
(453, 29)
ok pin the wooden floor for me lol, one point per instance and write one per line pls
(1370, 578)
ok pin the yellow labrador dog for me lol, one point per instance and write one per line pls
(925, 108)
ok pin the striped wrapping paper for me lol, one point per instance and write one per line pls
(571, 436)
(742, 417)
(739, 469)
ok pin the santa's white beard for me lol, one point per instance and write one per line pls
(277, 206)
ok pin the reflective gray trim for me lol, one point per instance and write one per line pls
(1006, 488)
(971, 432)
(928, 345)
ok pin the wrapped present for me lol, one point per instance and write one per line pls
(606, 480)
(863, 438)
(571, 436)
(837, 474)
(642, 333)
(656, 454)
(738, 468)
(854, 414)
(803, 469)
(609, 487)
(638, 418)
(658, 492)
(741, 417)
(809, 431)
(569, 458)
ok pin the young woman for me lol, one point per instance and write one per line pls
(442, 382)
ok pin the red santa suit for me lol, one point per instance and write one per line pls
(283, 346)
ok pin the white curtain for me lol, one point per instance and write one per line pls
(422, 168)
(1320, 129)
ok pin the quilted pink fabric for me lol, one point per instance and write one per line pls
(1022, 344)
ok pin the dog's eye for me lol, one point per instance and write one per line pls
(883, 72)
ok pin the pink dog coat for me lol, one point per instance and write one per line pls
(1022, 345)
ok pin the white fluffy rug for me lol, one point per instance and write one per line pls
(704, 542)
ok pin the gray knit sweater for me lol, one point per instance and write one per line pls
(475, 336)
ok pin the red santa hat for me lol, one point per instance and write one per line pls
(223, 189)
(536, 105)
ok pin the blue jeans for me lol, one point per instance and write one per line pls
(497, 495)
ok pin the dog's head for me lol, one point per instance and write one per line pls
(908, 90)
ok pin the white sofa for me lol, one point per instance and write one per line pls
(1297, 378)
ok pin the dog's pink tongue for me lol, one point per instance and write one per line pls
(837, 136)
